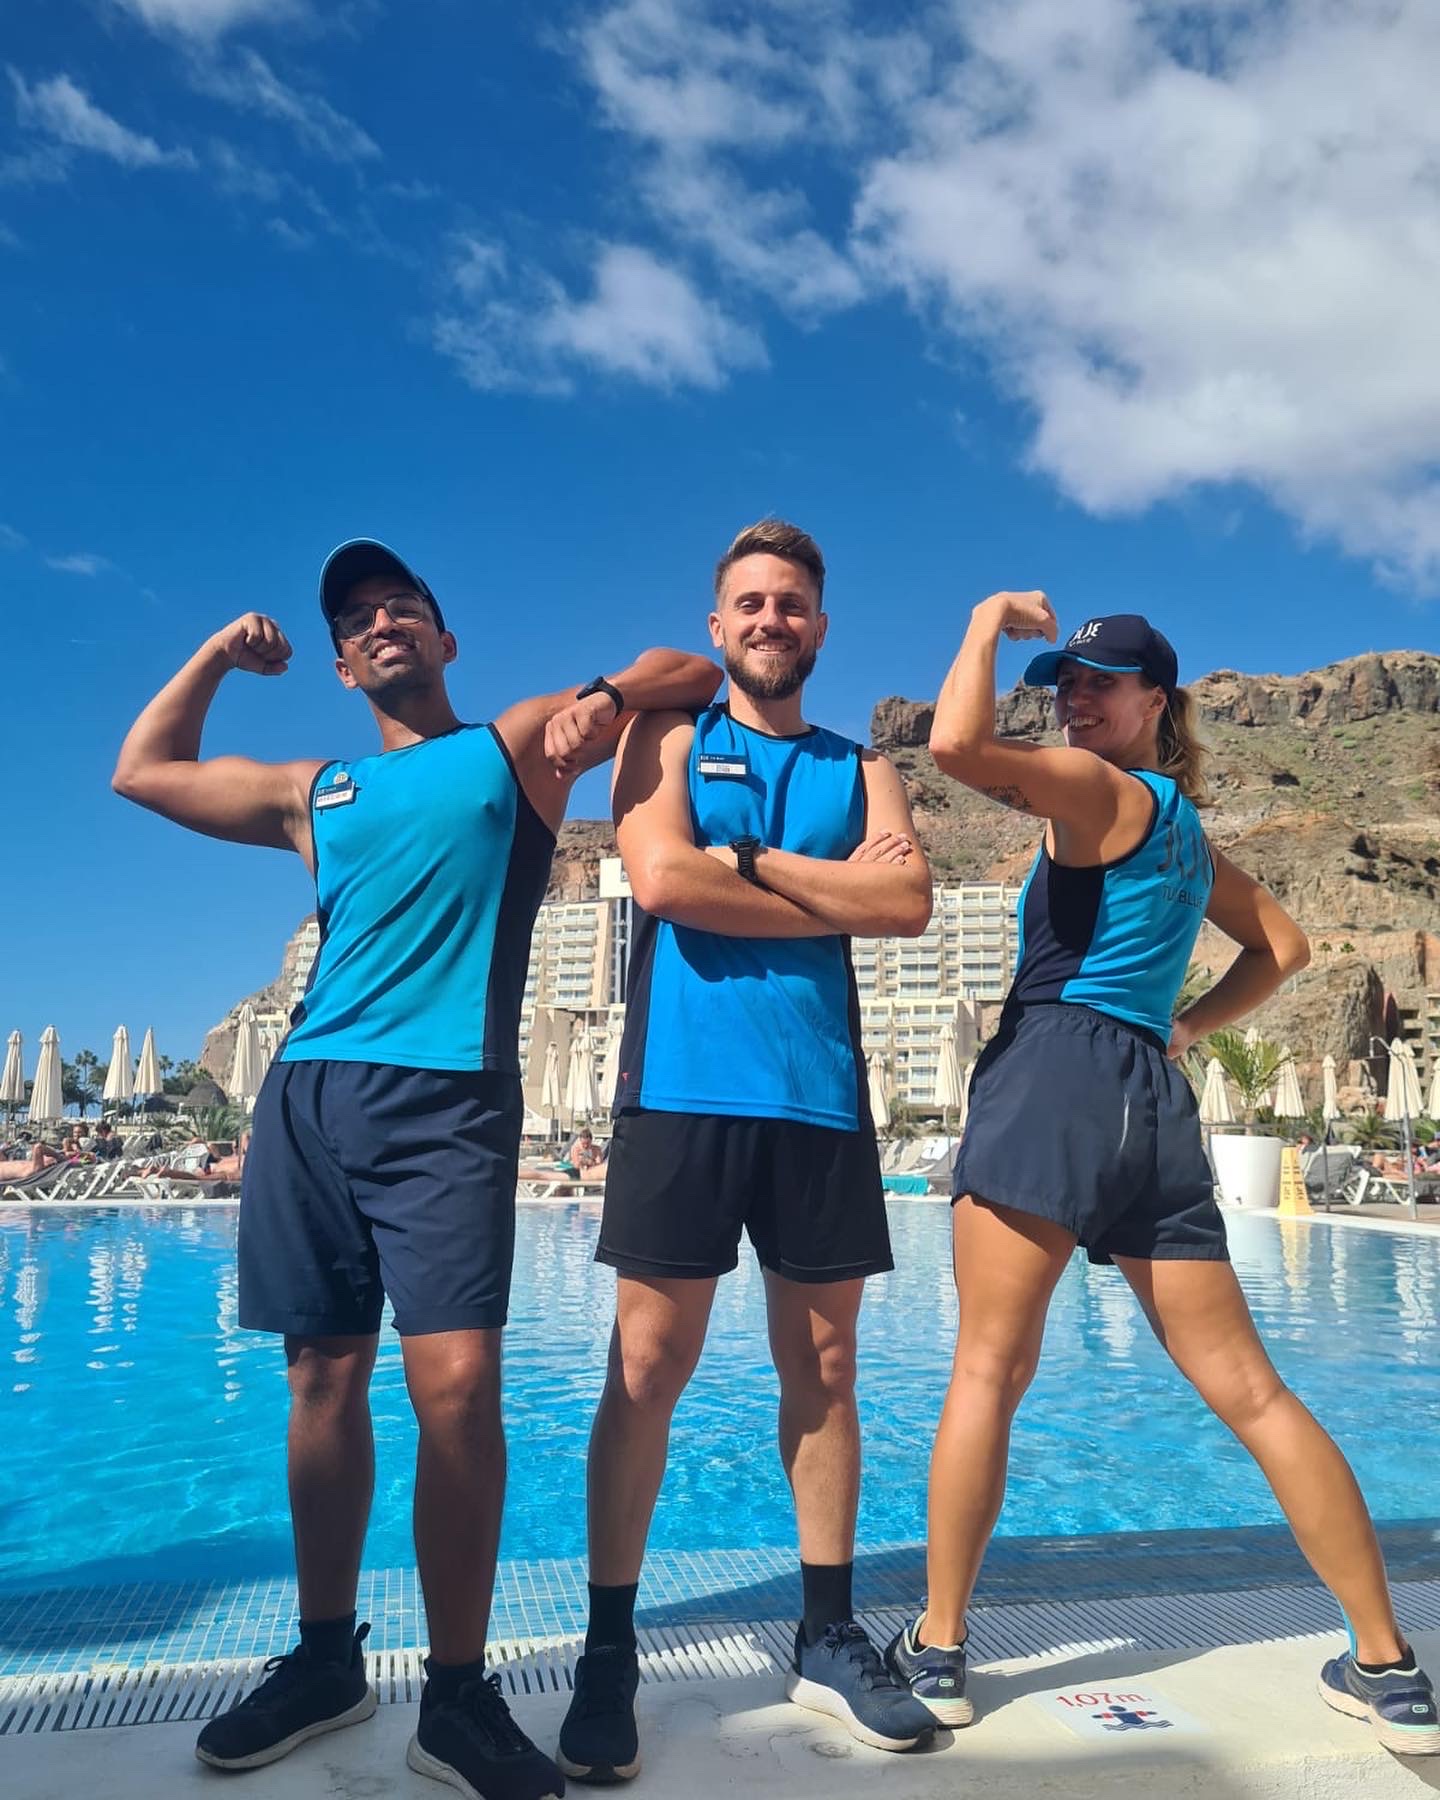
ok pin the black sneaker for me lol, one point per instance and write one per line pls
(599, 1741)
(472, 1743)
(298, 1699)
(935, 1676)
(843, 1676)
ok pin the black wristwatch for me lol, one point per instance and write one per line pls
(601, 686)
(745, 848)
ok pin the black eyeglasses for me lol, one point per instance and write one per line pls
(406, 609)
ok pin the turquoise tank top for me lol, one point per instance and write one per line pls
(1118, 936)
(430, 866)
(752, 1027)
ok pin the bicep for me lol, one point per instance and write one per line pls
(650, 796)
(1073, 787)
(234, 798)
(887, 804)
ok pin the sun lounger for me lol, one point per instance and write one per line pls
(1334, 1168)
(44, 1184)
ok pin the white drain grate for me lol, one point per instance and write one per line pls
(168, 1693)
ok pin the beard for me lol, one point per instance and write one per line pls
(772, 684)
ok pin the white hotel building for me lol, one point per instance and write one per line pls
(908, 987)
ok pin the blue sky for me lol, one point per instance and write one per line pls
(1132, 303)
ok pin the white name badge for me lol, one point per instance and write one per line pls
(339, 792)
(728, 766)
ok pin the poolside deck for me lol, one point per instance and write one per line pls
(104, 1688)
(1248, 1727)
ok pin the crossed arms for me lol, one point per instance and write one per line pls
(882, 889)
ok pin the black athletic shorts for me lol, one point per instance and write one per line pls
(1079, 1118)
(680, 1187)
(365, 1180)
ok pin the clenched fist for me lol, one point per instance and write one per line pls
(574, 726)
(255, 644)
(1028, 615)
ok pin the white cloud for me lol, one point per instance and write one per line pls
(249, 83)
(10, 538)
(1198, 263)
(1198, 239)
(642, 321)
(66, 113)
(83, 562)
(209, 18)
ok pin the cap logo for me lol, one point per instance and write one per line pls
(1087, 633)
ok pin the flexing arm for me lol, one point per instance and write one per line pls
(232, 797)
(883, 890)
(670, 875)
(1272, 948)
(1070, 786)
(554, 738)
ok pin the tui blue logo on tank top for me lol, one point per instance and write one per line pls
(752, 1027)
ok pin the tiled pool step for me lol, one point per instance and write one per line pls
(105, 1695)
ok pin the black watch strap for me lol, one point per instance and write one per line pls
(601, 686)
(745, 848)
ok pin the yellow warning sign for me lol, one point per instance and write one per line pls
(1293, 1198)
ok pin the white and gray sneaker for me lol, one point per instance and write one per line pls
(933, 1673)
(844, 1676)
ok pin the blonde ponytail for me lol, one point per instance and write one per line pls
(1180, 751)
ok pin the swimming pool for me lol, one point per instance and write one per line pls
(143, 1432)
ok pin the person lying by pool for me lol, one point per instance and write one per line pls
(388, 1126)
(1082, 1129)
(42, 1156)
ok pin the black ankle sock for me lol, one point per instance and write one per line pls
(328, 1640)
(827, 1596)
(612, 1616)
(446, 1679)
(1403, 1665)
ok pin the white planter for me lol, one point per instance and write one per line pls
(1247, 1169)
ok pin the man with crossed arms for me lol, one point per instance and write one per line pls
(756, 845)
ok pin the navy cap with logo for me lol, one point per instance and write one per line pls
(1124, 643)
(358, 560)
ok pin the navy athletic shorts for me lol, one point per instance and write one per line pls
(680, 1188)
(1082, 1119)
(365, 1180)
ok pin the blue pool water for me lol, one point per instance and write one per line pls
(144, 1431)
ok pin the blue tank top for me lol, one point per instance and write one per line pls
(1118, 936)
(752, 1027)
(430, 865)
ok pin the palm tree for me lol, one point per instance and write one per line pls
(1252, 1067)
(80, 1081)
(1371, 1131)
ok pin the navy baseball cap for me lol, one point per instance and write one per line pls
(1124, 643)
(358, 560)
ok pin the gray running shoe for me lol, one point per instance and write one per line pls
(1400, 1704)
(934, 1675)
(843, 1676)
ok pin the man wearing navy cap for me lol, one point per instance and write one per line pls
(387, 1132)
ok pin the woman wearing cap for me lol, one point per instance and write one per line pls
(1083, 1131)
